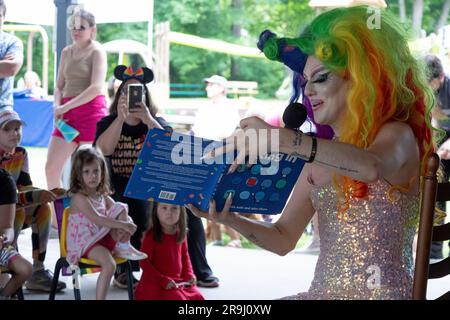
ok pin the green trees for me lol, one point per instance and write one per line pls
(239, 22)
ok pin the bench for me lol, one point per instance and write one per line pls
(242, 88)
(178, 90)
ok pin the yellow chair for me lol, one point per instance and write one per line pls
(84, 265)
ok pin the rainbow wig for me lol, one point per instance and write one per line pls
(387, 82)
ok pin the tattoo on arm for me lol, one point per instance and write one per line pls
(259, 243)
(298, 139)
(296, 143)
(349, 170)
(255, 240)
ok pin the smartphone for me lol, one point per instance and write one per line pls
(135, 95)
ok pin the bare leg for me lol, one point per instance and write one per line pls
(216, 233)
(120, 235)
(59, 151)
(105, 260)
(22, 271)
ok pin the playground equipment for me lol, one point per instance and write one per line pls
(126, 46)
(164, 37)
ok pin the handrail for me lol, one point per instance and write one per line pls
(33, 29)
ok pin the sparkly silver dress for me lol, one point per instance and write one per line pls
(370, 255)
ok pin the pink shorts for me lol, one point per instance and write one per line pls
(84, 118)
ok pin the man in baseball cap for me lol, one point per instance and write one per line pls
(7, 116)
(221, 81)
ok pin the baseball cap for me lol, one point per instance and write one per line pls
(6, 116)
(217, 79)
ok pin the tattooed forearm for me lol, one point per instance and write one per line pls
(349, 170)
(301, 156)
(252, 237)
(278, 228)
(255, 240)
(297, 139)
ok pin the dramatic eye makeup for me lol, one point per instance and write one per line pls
(321, 77)
(318, 76)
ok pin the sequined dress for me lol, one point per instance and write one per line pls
(370, 255)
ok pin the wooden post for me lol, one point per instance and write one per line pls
(162, 50)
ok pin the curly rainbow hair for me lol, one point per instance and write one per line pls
(388, 83)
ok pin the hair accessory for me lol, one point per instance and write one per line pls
(124, 73)
(282, 49)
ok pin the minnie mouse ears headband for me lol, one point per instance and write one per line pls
(282, 49)
(124, 73)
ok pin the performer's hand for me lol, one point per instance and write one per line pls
(222, 217)
(243, 140)
(9, 56)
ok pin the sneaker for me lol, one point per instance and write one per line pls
(120, 281)
(210, 282)
(41, 280)
(129, 253)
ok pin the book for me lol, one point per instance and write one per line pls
(171, 169)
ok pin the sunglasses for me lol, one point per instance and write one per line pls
(81, 28)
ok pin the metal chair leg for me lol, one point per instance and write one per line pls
(129, 272)
(59, 265)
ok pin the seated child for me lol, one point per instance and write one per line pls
(9, 258)
(167, 272)
(33, 208)
(98, 228)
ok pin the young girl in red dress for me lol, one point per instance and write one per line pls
(167, 272)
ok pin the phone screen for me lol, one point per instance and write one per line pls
(135, 95)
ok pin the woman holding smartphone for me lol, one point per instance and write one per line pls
(79, 101)
(120, 137)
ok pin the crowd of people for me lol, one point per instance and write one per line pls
(371, 104)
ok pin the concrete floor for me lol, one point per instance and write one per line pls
(245, 274)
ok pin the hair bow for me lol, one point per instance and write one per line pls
(124, 73)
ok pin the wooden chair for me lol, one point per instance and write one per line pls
(84, 264)
(431, 191)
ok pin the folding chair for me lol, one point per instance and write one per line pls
(84, 265)
(431, 191)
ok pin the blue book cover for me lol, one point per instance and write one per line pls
(170, 169)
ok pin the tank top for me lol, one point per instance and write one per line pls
(78, 71)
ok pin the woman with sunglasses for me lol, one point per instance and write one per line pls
(79, 100)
